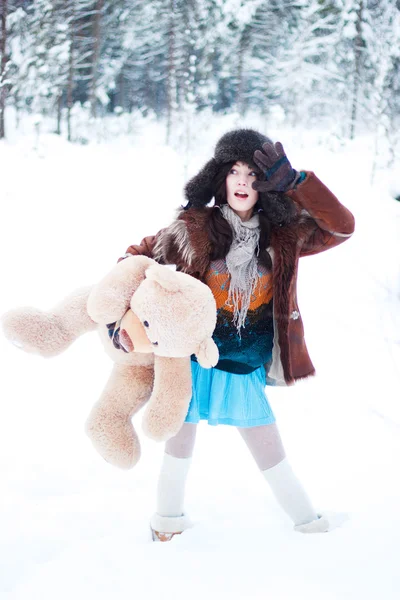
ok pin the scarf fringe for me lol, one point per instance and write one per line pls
(241, 262)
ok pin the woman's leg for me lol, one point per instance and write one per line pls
(265, 444)
(170, 517)
(174, 470)
(182, 444)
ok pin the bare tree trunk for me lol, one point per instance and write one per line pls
(240, 84)
(96, 55)
(59, 108)
(3, 66)
(17, 112)
(358, 46)
(121, 90)
(171, 81)
(71, 69)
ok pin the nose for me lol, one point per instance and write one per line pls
(243, 180)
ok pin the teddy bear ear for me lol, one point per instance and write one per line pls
(165, 277)
(207, 353)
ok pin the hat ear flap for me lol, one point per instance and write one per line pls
(199, 190)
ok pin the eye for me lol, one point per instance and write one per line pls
(155, 343)
(146, 323)
(232, 172)
(253, 174)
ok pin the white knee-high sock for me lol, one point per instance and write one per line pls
(171, 485)
(290, 493)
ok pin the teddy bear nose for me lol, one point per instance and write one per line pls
(155, 343)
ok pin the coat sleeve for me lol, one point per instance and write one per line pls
(185, 242)
(327, 223)
(145, 248)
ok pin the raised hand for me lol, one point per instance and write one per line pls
(279, 173)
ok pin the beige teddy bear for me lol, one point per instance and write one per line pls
(163, 317)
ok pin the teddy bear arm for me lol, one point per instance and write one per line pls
(110, 298)
(109, 424)
(169, 402)
(49, 333)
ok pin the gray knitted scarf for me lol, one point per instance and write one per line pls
(241, 262)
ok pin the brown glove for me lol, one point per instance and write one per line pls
(279, 173)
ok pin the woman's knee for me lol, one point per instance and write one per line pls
(182, 444)
(265, 444)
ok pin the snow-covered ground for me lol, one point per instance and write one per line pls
(74, 527)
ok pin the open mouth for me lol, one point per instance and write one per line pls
(241, 195)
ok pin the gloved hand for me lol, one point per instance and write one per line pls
(279, 173)
(113, 334)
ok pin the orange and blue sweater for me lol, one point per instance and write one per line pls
(244, 353)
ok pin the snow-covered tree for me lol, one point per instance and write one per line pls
(292, 49)
(11, 13)
(334, 62)
(3, 63)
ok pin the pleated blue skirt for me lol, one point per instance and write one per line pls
(223, 398)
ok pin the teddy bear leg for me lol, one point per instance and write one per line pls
(49, 333)
(109, 424)
(169, 402)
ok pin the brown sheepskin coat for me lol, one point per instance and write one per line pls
(322, 222)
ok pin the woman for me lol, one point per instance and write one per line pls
(246, 249)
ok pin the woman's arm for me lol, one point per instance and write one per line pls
(145, 248)
(327, 222)
(185, 242)
(324, 222)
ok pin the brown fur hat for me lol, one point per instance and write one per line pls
(239, 144)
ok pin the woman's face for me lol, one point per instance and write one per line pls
(239, 194)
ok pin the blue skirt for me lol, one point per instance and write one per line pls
(223, 398)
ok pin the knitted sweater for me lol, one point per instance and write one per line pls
(245, 352)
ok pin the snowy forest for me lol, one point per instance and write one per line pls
(324, 62)
(107, 109)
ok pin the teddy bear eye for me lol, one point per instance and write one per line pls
(146, 323)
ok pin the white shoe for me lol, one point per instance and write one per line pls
(325, 522)
(163, 529)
